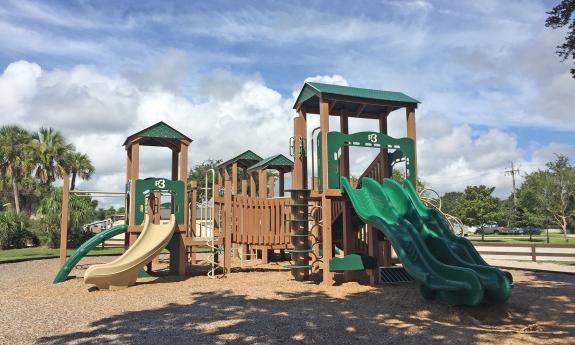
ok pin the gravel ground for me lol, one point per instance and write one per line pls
(262, 305)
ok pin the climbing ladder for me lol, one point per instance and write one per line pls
(207, 229)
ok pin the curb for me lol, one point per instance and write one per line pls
(535, 270)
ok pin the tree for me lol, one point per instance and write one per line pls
(51, 152)
(15, 158)
(198, 174)
(548, 196)
(451, 203)
(559, 17)
(81, 211)
(478, 206)
(79, 164)
(13, 231)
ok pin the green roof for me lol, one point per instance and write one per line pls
(160, 130)
(279, 162)
(311, 92)
(244, 159)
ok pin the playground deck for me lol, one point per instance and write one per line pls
(264, 304)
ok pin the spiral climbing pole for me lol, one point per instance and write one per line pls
(299, 232)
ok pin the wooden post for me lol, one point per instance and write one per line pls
(384, 168)
(253, 191)
(299, 174)
(184, 227)
(348, 240)
(281, 188)
(235, 178)
(245, 186)
(228, 226)
(373, 249)
(328, 277)
(64, 220)
(411, 133)
(271, 191)
(134, 175)
(533, 253)
(262, 181)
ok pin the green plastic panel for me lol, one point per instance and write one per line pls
(425, 250)
(352, 262)
(336, 140)
(150, 185)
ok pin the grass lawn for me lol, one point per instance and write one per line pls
(524, 239)
(44, 252)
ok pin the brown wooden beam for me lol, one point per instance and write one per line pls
(411, 133)
(64, 220)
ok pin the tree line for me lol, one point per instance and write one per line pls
(30, 206)
(545, 199)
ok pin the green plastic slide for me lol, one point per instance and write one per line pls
(85, 248)
(423, 249)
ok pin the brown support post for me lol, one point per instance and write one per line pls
(184, 227)
(282, 184)
(411, 133)
(271, 191)
(328, 277)
(245, 186)
(384, 160)
(235, 178)
(262, 181)
(64, 220)
(228, 226)
(253, 192)
(348, 240)
(373, 249)
(134, 174)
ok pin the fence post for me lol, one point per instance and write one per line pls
(533, 254)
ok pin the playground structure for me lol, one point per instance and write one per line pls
(329, 224)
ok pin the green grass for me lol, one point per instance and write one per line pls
(523, 239)
(43, 252)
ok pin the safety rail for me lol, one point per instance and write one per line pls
(260, 221)
(532, 250)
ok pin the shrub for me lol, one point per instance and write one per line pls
(14, 231)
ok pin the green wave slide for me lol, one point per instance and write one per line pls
(446, 268)
(85, 248)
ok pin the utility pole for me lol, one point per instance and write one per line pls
(513, 172)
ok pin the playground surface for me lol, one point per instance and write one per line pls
(264, 305)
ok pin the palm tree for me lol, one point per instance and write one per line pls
(51, 152)
(79, 164)
(15, 157)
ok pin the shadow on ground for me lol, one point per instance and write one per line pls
(540, 311)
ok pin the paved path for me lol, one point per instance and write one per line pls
(547, 266)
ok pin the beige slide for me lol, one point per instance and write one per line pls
(123, 271)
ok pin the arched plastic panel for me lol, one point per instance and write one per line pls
(151, 185)
(335, 140)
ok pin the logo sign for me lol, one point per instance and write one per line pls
(160, 183)
(372, 137)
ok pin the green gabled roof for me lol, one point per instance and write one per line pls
(244, 160)
(279, 162)
(160, 130)
(312, 91)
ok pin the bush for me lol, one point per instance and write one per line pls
(14, 231)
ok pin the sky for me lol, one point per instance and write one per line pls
(226, 74)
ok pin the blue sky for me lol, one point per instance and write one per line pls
(491, 86)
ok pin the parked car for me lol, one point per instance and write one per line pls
(518, 231)
(491, 228)
(533, 230)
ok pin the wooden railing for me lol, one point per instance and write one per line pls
(530, 250)
(260, 221)
(374, 170)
